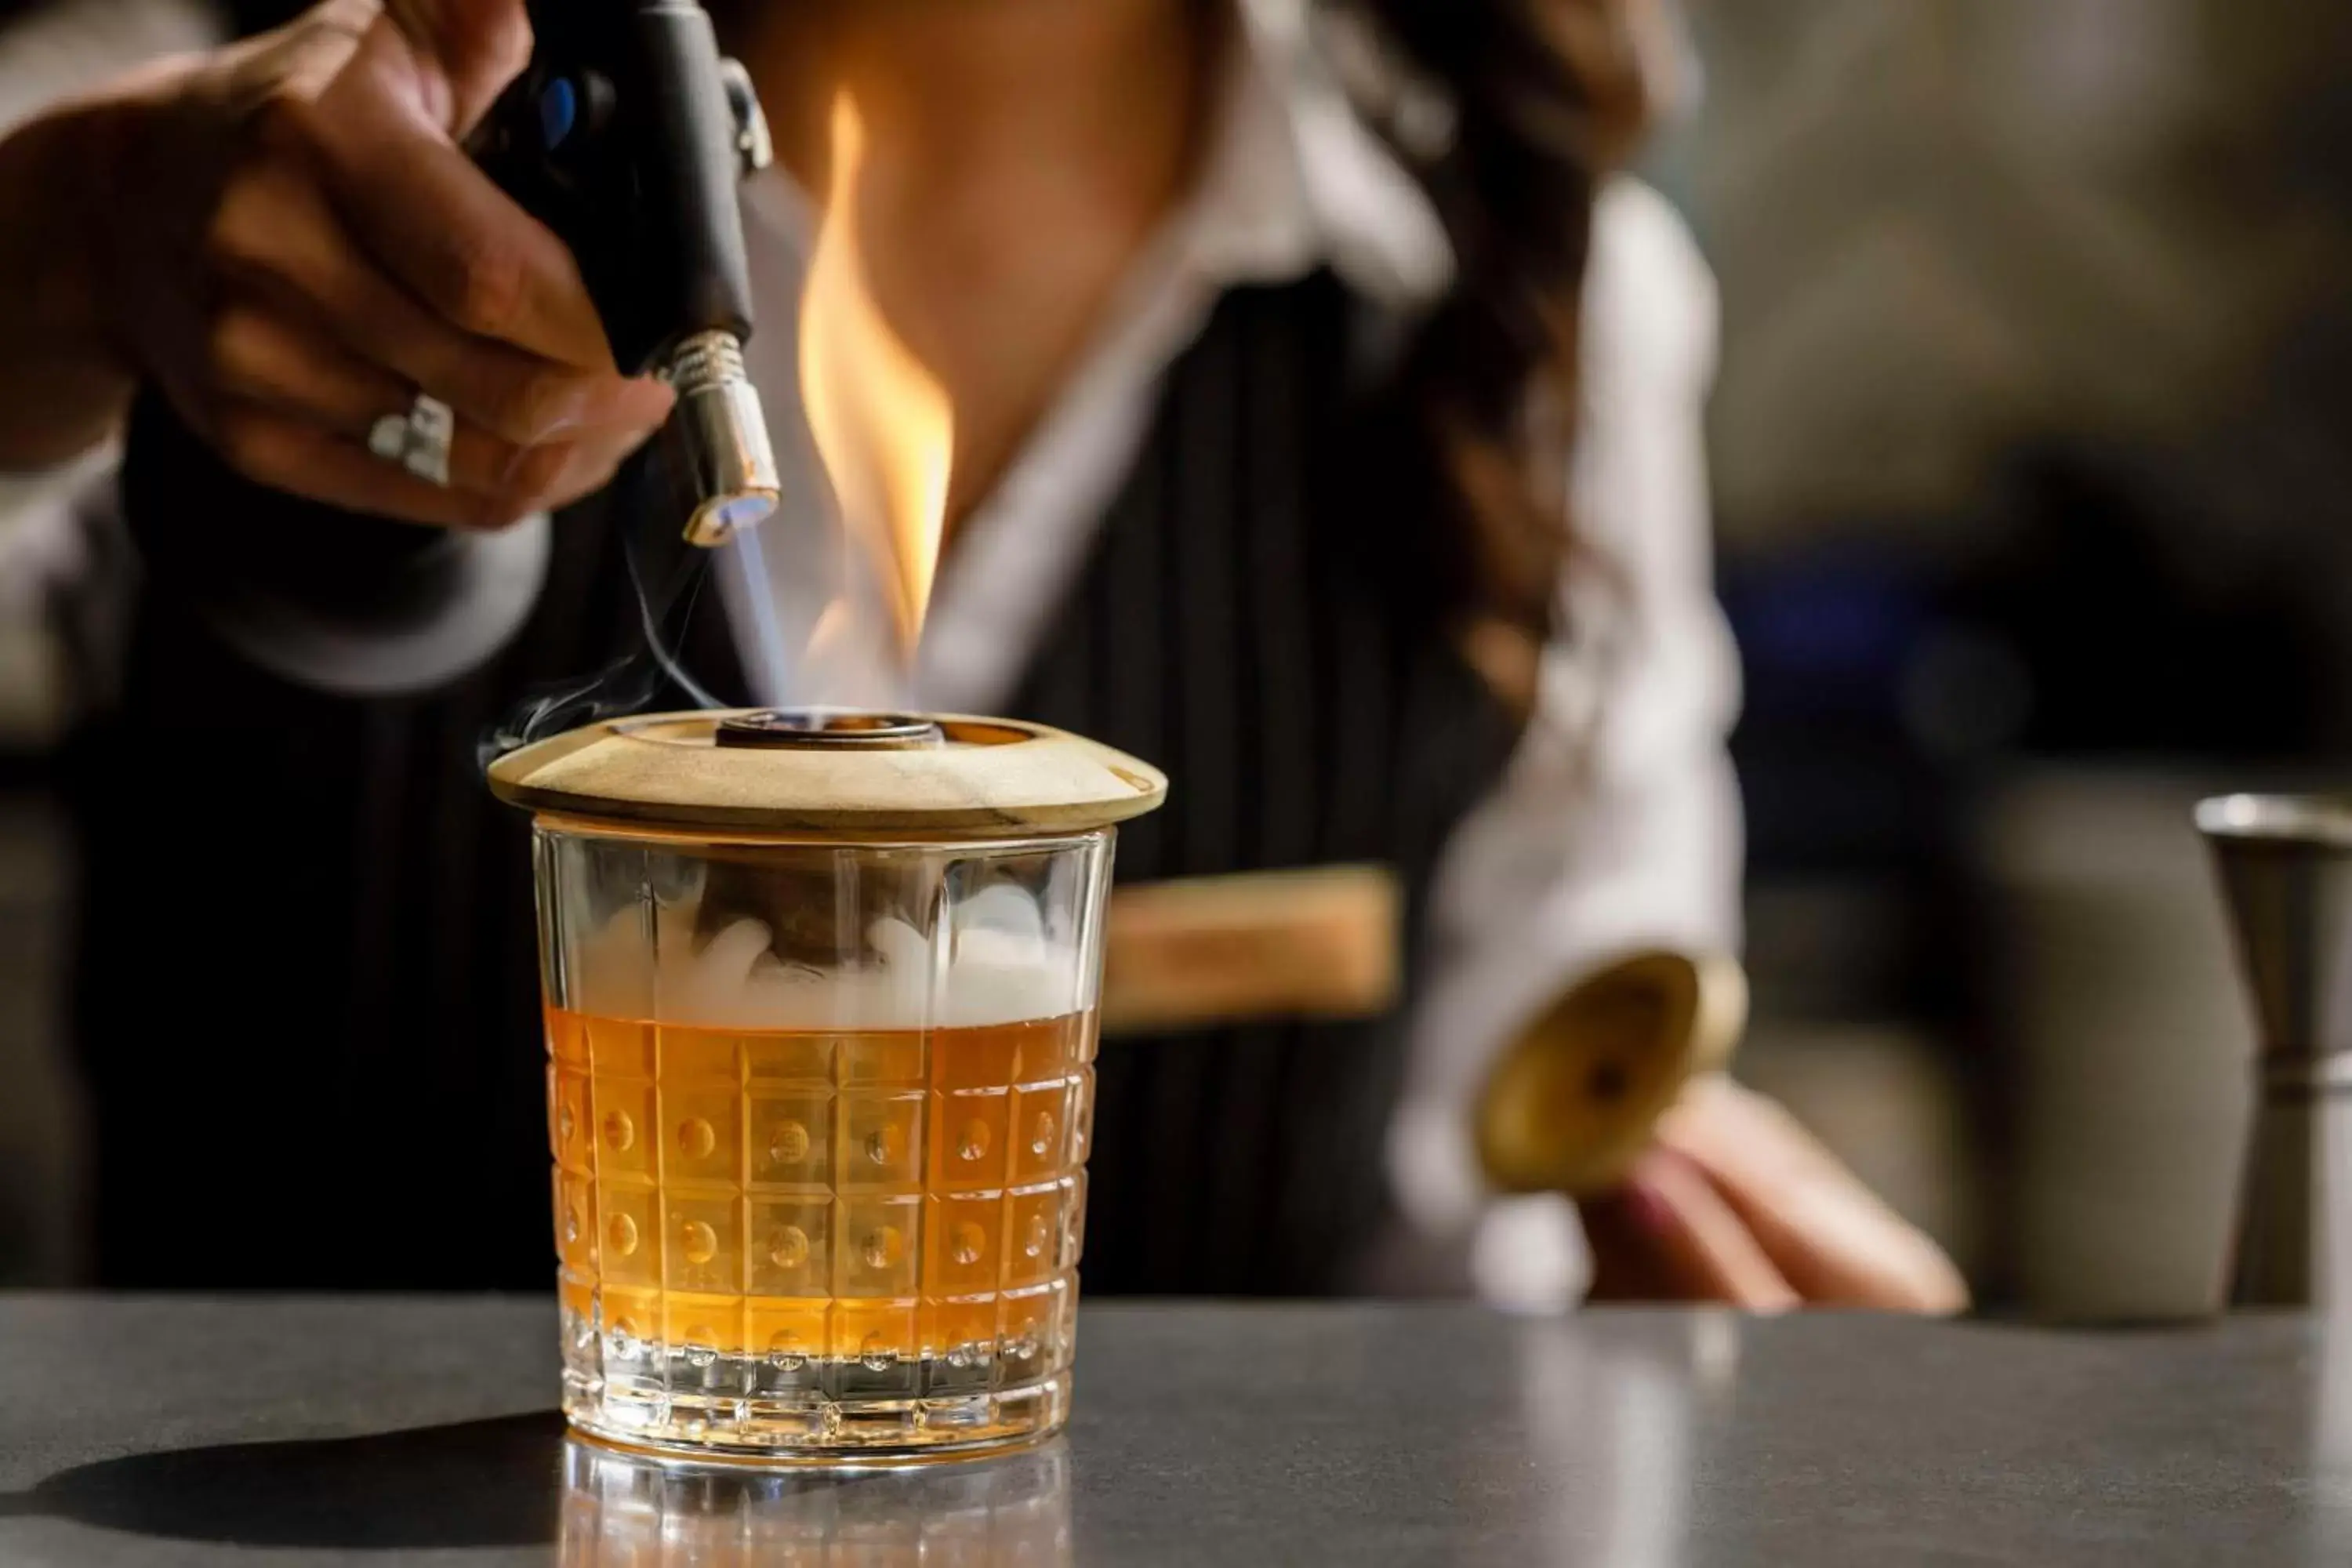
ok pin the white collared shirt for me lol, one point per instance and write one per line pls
(1617, 822)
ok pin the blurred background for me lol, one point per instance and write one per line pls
(2028, 474)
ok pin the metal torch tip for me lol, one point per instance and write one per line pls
(718, 437)
(721, 517)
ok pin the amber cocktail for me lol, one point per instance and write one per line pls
(819, 1111)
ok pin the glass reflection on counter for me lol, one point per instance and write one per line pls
(1643, 1389)
(622, 1511)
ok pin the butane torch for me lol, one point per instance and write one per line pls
(627, 135)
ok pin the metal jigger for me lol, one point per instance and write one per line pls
(2285, 866)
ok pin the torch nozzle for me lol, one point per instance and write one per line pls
(718, 440)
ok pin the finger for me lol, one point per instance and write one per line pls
(261, 357)
(549, 477)
(257, 355)
(311, 461)
(277, 234)
(1832, 1238)
(470, 48)
(383, 131)
(1667, 1235)
(1629, 1263)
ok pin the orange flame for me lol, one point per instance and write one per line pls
(831, 626)
(882, 422)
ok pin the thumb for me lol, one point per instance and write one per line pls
(463, 53)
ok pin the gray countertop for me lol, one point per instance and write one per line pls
(139, 1431)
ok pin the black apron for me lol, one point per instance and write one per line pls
(306, 997)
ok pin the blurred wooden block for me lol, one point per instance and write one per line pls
(1318, 943)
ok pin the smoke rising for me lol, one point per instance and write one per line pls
(650, 666)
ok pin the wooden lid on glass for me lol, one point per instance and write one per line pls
(828, 773)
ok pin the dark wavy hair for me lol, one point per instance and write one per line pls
(1527, 106)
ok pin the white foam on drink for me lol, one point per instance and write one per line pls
(997, 965)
